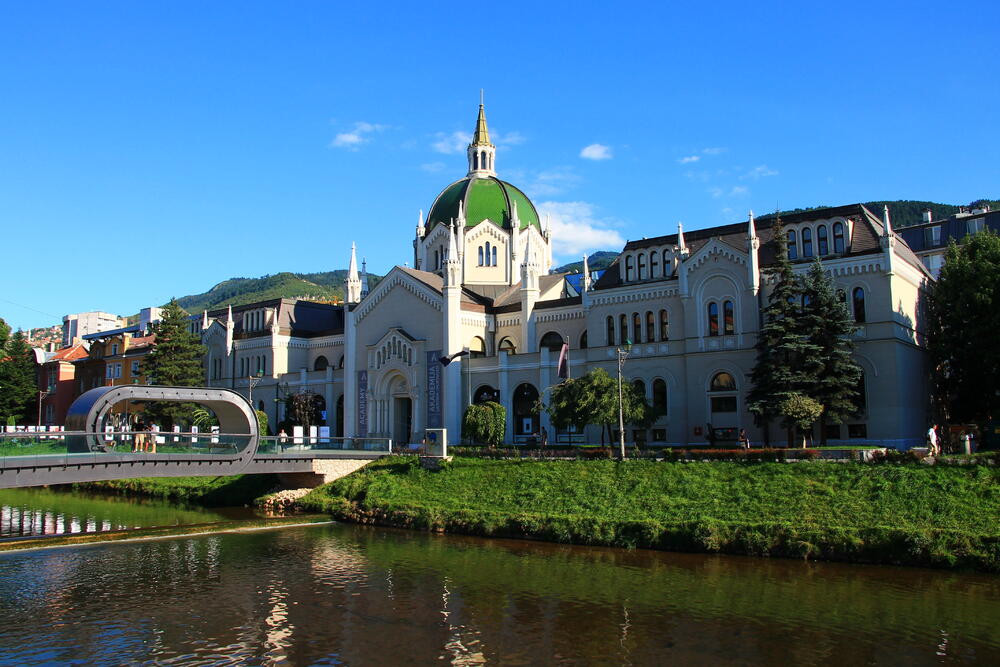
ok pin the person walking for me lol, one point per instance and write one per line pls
(744, 439)
(932, 440)
(545, 438)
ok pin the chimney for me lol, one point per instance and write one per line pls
(928, 215)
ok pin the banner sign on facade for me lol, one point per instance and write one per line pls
(362, 404)
(434, 389)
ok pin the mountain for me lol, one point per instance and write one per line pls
(599, 260)
(326, 287)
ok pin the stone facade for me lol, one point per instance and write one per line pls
(689, 302)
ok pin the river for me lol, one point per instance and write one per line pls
(356, 595)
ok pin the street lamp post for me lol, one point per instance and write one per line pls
(41, 396)
(254, 380)
(622, 355)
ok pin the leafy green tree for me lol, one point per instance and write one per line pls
(303, 409)
(829, 326)
(593, 399)
(485, 422)
(963, 320)
(787, 360)
(800, 412)
(262, 422)
(18, 382)
(174, 362)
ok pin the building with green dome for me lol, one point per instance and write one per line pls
(479, 293)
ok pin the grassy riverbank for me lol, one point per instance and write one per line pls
(905, 514)
(206, 491)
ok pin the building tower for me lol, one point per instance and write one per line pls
(352, 286)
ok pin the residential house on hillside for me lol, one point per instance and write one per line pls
(930, 239)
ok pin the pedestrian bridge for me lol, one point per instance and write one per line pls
(88, 451)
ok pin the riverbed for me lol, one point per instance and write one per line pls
(348, 594)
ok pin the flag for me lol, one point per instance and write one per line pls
(563, 368)
(445, 360)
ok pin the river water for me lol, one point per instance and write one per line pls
(356, 595)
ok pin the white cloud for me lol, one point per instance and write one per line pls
(739, 190)
(713, 151)
(544, 183)
(352, 139)
(451, 143)
(688, 159)
(735, 191)
(454, 142)
(576, 229)
(596, 152)
(433, 167)
(759, 172)
(716, 192)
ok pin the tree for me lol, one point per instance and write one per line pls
(303, 409)
(799, 411)
(174, 362)
(18, 384)
(485, 422)
(963, 320)
(787, 360)
(593, 399)
(829, 326)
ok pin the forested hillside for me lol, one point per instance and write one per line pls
(326, 287)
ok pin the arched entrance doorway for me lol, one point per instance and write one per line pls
(402, 411)
(525, 416)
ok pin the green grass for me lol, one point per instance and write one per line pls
(946, 516)
(220, 491)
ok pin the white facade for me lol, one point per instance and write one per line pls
(690, 303)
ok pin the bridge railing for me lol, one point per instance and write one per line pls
(53, 448)
(305, 444)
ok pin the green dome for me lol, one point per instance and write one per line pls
(483, 198)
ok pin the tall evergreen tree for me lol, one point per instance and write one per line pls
(786, 357)
(18, 380)
(963, 320)
(175, 362)
(829, 326)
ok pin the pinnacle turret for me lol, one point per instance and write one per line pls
(481, 152)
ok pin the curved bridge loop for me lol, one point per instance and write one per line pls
(88, 457)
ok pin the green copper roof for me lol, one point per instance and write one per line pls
(483, 198)
(481, 137)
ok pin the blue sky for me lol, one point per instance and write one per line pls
(150, 150)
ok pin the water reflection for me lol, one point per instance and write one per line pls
(41, 511)
(349, 594)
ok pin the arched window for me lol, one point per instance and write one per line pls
(611, 330)
(664, 326)
(622, 329)
(320, 364)
(477, 347)
(713, 319)
(525, 416)
(654, 264)
(650, 327)
(666, 263)
(807, 242)
(437, 260)
(723, 393)
(642, 266)
(629, 270)
(728, 318)
(507, 345)
(475, 160)
(636, 328)
(493, 257)
(823, 245)
(480, 255)
(552, 340)
(838, 237)
(640, 386)
(485, 393)
(243, 367)
(340, 364)
(723, 382)
(793, 250)
(583, 341)
(482, 160)
(858, 297)
(660, 396)
(487, 253)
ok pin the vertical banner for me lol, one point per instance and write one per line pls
(362, 404)
(434, 393)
